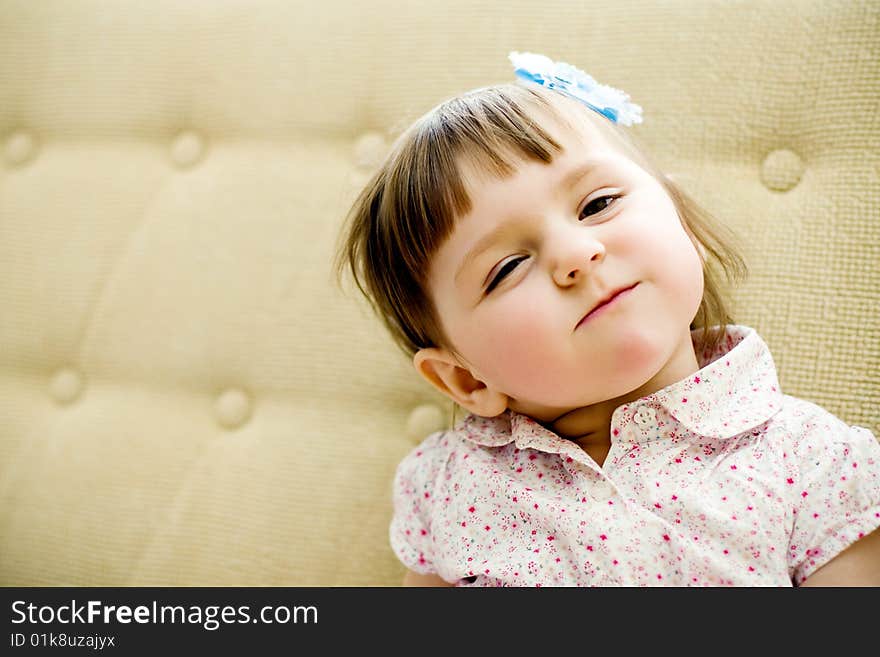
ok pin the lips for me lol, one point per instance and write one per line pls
(603, 302)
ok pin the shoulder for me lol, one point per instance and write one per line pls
(427, 457)
(435, 449)
(811, 427)
(833, 484)
(832, 464)
(432, 459)
(423, 478)
(824, 447)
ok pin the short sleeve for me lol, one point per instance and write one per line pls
(415, 483)
(836, 492)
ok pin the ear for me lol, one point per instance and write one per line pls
(443, 371)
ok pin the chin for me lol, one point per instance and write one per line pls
(641, 354)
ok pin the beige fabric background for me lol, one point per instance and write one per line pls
(186, 398)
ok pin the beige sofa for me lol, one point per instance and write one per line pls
(185, 396)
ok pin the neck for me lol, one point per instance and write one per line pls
(591, 425)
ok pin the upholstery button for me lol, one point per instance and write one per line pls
(20, 147)
(645, 416)
(233, 408)
(66, 385)
(369, 150)
(423, 421)
(782, 169)
(603, 490)
(187, 149)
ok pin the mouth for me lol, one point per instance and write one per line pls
(605, 303)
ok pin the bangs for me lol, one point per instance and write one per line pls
(482, 134)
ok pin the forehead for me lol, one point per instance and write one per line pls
(579, 142)
(578, 130)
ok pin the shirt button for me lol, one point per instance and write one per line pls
(645, 417)
(603, 491)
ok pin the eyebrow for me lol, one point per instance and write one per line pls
(568, 181)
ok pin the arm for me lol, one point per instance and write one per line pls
(858, 565)
(415, 579)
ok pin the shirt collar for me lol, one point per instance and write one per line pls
(735, 389)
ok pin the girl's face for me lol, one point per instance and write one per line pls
(516, 281)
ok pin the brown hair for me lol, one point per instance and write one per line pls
(410, 205)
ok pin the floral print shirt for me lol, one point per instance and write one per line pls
(719, 479)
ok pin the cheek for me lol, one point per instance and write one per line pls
(674, 260)
(509, 342)
(687, 277)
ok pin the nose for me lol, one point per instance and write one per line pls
(576, 256)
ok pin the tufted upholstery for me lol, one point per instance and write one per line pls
(185, 396)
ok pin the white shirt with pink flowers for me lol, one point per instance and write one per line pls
(718, 479)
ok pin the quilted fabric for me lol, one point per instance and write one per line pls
(186, 398)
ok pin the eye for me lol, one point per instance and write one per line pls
(597, 205)
(508, 267)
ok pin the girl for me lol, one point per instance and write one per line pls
(547, 277)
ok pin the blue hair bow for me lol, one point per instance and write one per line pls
(611, 103)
